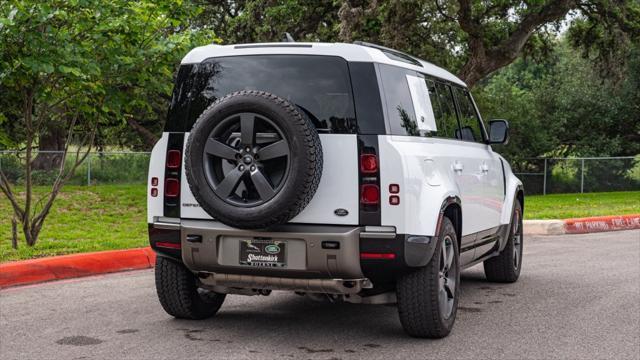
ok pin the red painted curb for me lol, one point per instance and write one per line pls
(78, 265)
(75, 265)
(601, 223)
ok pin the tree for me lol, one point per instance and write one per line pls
(480, 37)
(473, 37)
(241, 21)
(562, 107)
(82, 65)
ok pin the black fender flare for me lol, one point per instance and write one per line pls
(504, 236)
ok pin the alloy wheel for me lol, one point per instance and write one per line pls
(517, 240)
(246, 159)
(447, 275)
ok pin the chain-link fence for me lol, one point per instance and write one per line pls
(578, 175)
(540, 175)
(113, 167)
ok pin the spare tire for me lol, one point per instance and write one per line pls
(252, 160)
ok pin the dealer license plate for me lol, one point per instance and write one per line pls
(263, 253)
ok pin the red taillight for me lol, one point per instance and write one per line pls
(154, 192)
(394, 200)
(377, 256)
(370, 194)
(154, 181)
(168, 245)
(394, 188)
(172, 188)
(173, 159)
(368, 163)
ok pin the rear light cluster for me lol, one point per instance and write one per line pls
(172, 182)
(370, 198)
(394, 198)
(154, 189)
(173, 159)
(369, 190)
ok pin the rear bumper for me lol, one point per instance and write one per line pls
(319, 258)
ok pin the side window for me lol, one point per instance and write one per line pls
(444, 109)
(469, 122)
(402, 116)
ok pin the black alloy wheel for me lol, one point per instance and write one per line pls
(239, 156)
(252, 161)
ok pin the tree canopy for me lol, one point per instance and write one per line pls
(121, 55)
(471, 37)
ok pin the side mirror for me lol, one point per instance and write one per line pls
(498, 132)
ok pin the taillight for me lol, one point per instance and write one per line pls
(172, 188)
(368, 163)
(370, 194)
(173, 159)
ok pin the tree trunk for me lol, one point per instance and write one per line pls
(53, 139)
(148, 137)
(14, 232)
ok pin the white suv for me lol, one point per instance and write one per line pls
(346, 172)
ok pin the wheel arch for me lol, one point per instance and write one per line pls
(451, 208)
(513, 190)
(520, 196)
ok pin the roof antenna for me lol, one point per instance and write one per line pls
(288, 38)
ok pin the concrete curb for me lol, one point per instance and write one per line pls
(543, 227)
(75, 265)
(582, 225)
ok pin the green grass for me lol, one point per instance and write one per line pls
(83, 219)
(565, 206)
(108, 217)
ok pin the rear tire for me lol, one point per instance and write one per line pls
(179, 294)
(420, 293)
(505, 268)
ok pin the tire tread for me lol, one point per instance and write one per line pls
(178, 293)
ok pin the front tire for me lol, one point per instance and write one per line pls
(505, 268)
(428, 297)
(179, 294)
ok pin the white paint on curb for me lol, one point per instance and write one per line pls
(544, 227)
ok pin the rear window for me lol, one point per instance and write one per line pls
(318, 85)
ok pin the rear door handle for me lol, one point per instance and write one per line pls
(457, 166)
(484, 168)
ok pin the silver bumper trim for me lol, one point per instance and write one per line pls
(378, 232)
(327, 286)
(161, 222)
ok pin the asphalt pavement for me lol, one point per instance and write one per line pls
(578, 298)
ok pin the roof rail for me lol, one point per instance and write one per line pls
(392, 53)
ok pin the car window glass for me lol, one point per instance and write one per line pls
(421, 103)
(319, 85)
(400, 111)
(469, 122)
(444, 109)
